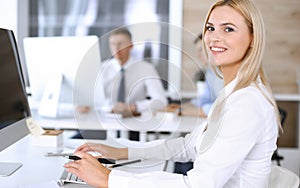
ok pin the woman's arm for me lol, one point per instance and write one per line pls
(180, 149)
(105, 150)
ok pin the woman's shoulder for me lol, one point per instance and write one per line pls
(252, 95)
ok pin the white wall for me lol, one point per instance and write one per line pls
(9, 14)
(14, 15)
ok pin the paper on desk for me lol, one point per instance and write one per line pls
(50, 184)
(34, 127)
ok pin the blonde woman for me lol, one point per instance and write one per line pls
(236, 147)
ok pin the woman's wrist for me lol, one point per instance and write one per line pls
(124, 153)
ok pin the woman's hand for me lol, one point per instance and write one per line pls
(89, 170)
(106, 151)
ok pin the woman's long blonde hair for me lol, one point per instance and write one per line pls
(252, 65)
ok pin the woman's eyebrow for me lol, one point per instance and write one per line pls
(223, 24)
(228, 23)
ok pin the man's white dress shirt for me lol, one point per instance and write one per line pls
(234, 151)
(141, 81)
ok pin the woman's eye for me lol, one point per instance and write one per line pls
(210, 28)
(229, 29)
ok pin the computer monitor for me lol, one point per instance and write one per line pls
(62, 72)
(14, 107)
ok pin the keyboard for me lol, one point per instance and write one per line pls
(68, 177)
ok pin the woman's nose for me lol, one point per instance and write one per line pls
(215, 39)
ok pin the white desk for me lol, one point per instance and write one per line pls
(287, 97)
(143, 124)
(40, 169)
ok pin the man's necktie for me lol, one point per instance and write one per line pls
(121, 92)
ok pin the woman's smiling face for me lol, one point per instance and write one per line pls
(227, 37)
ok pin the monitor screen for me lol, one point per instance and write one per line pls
(62, 72)
(14, 107)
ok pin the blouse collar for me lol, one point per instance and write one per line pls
(229, 87)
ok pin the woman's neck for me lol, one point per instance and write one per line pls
(230, 72)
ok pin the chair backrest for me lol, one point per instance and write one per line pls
(283, 114)
(281, 177)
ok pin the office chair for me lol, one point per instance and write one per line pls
(275, 155)
(281, 177)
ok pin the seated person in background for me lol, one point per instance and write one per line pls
(142, 87)
(213, 84)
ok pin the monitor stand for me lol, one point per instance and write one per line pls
(50, 99)
(6, 169)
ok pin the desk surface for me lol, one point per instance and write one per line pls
(38, 169)
(287, 97)
(94, 121)
(277, 96)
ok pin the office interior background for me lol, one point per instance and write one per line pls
(282, 57)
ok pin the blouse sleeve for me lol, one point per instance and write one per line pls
(180, 149)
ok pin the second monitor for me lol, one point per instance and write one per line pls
(62, 72)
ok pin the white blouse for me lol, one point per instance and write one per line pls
(234, 151)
